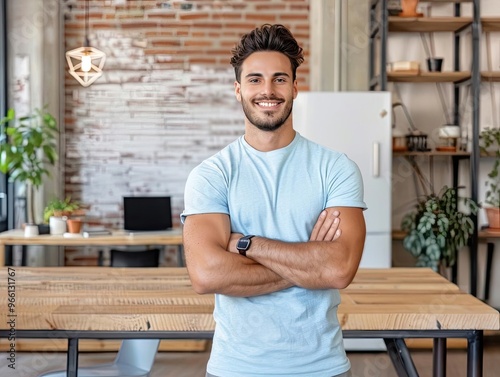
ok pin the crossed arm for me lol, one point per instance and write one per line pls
(325, 261)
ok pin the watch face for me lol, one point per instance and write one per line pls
(243, 244)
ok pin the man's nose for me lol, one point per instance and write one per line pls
(268, 88)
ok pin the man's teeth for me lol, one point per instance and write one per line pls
(266, 104)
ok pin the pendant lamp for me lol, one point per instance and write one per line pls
(86, 63)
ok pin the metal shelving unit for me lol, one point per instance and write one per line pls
(381, 24)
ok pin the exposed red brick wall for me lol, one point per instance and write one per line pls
(165, 101)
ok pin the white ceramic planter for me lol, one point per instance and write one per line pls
(57, 225)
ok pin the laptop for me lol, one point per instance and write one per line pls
(147, 214)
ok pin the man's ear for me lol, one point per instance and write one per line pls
(237, 90)
(295, 89)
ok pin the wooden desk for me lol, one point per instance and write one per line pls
(117, 238)
(112, 303)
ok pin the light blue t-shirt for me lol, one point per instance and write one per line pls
(279, 195)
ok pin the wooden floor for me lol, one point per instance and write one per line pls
(192, 364)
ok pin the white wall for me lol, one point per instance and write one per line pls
(34, 34)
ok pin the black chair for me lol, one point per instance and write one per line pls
(143, 258)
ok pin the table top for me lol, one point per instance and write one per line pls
(118, 237)
(161, 299)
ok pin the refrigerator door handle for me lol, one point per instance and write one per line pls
(3, 206)
(376, 159)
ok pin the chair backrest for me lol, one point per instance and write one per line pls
(140, 353)
(143, 258)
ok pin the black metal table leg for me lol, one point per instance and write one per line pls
(489, 261)
(475, 354)
(72, 367)
(439, 357)
(401, 358)
(180, 256)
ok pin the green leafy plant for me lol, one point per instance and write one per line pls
(27, 145)
(58, 207)
(437, 228)
(489, 144)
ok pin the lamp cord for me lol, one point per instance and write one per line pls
(86, 43)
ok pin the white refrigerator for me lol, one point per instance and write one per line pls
(358, 124)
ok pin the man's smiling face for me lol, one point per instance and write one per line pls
(267, 89)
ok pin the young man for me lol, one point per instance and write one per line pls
(261, 228)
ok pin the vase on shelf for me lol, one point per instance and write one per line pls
(57, 225)
(74, 225)
(493, 215)
(409, 9)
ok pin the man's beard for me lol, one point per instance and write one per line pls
(272, 120)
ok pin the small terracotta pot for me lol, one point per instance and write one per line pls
(493, 215)
(409, 8)
(74, 225)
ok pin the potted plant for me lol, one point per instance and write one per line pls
(60, 207)
(58, 214)
(489, 144)
(27, 145)
(437, 228)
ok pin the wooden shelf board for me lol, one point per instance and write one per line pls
(446, 1)
(428, 24)
(490, 24)
(493, 76)
(398, 234)
(431, 153)
(451, 76)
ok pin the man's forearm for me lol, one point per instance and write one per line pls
(313, 265)
(234, 275)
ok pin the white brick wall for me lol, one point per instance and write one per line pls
(166, 99)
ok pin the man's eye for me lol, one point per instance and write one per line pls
(280, 80)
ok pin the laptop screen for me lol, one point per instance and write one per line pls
(147, 213)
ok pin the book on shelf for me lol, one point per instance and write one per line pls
(96, 233)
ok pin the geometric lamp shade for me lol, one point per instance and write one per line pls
(85, 64)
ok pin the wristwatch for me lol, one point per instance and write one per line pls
(243, 244)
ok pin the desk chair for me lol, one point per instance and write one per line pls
(136, 356)
(143, 258)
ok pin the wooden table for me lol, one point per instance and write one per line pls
(116, 303)
(117, 238)
(488, 236)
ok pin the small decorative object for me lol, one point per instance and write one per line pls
(398, 141)
(417, 141)
(489, 144)
(437, 228)
(394, 7)
(409, 67)
(74, 225)
(435, 64)
(30, 230)
(409, 9)
(449, 136)
(57, 225)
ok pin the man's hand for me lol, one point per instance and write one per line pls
(326, 227)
